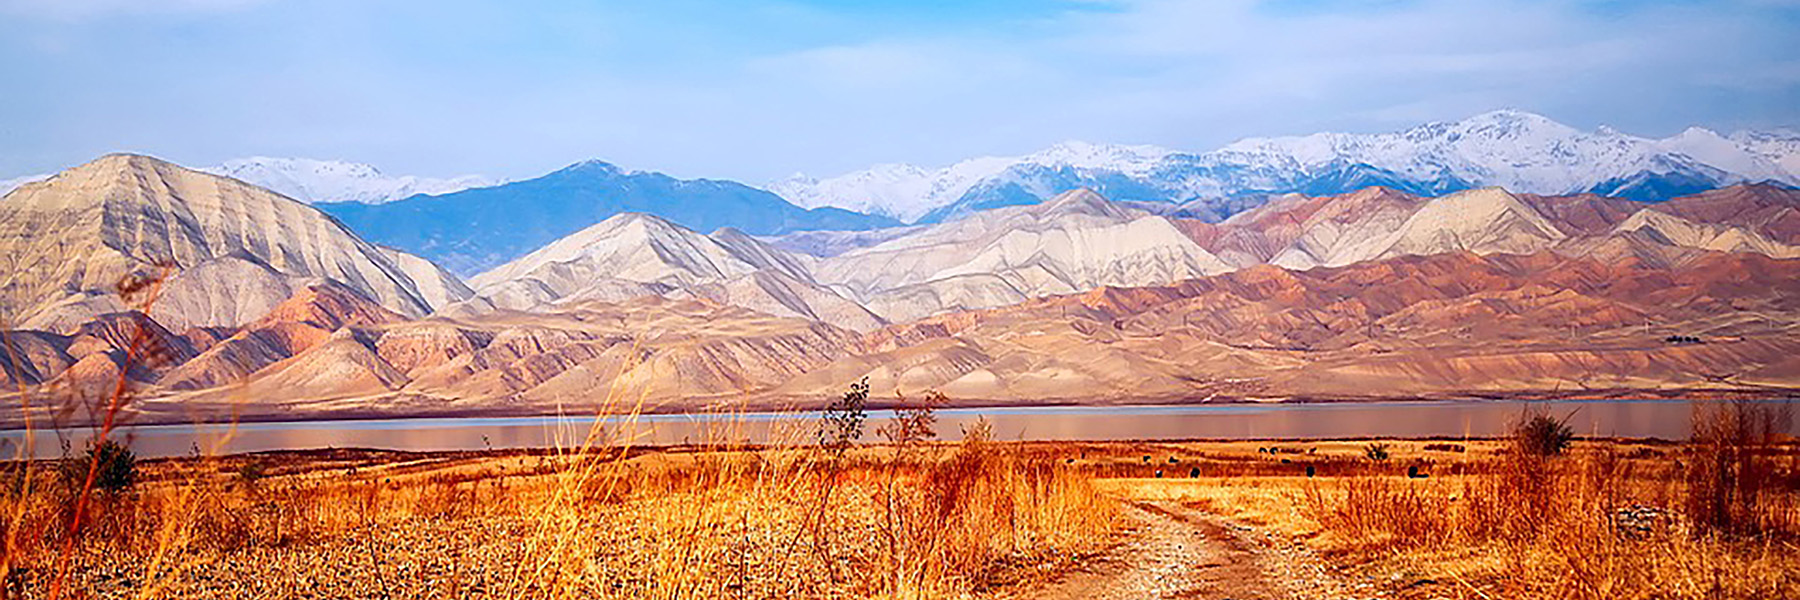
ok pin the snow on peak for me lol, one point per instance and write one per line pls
(1726, 154)
(900, 191)
(1512, 122)
(1517, 150)
(1112, 157)
(907, 192)
(312, 180)
(1780, 147)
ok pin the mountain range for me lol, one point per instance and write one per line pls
(1520, 151)
(472, 224)
(478, 229)
(267, 308)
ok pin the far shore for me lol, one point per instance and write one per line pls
(165, 413)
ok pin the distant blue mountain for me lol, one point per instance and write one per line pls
(1346, 177)
(475, 230)
(1645, 186)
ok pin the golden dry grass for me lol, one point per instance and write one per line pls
(1606, 520)
(928, 521)
(943, 520)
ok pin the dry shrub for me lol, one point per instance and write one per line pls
(1739, 482)
(1540, 434)
(1591, 523)
(1384, 511)
(946, 522)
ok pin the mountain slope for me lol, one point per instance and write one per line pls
(1772, 210)
(1076, 242)
(634, 254)
(479, 229)
(232, 249)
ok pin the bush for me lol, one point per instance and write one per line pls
(250, 473)
(113, 465)
(1376, 451)
(1542, 435)
(1734, 479)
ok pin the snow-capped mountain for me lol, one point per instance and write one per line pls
(900, 191)
(908, 192)
(1781, 147)
(1520, 151)
(309, 180)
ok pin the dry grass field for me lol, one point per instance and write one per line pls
(1716, 517)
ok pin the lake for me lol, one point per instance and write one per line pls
(1667, 419)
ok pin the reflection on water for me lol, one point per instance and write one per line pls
(1666, 419)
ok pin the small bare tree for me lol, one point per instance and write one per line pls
(914, 422)
(841, 425)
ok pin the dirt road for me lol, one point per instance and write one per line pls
(1175, 552)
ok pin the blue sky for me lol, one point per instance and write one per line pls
(758, 90)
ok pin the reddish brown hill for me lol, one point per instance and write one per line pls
(303, 321)
(1769, 209)
(1584, 214)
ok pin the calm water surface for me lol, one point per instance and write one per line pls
(1667, 419)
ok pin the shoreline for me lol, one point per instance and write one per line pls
(11, 424)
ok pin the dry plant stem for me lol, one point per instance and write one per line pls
(26, 460)
(573, 481)
(115, 401)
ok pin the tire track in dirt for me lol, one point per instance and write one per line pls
(1176, 552)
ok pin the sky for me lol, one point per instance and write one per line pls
(756, 91)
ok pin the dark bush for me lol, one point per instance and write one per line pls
(251, 472)
(1540, 434)
(113, 465)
